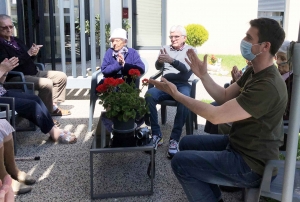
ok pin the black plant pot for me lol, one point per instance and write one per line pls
(121, 125)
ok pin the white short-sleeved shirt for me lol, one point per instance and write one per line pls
(5, 129)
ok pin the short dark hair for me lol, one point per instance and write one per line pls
(269, 30)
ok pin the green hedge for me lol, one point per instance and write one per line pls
(196, 35)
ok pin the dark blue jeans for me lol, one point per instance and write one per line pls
(157, 95)
(206, 161)
(32, 108)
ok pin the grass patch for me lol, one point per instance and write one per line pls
(228, 61)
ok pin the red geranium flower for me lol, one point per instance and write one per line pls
(145, 82)
(122, 98)
(101, 88)
(134, 72)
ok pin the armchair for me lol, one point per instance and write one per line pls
(191, 118)
(25, 89)
(28, 85)
(273, 189)
(9, 114)
(96, 77)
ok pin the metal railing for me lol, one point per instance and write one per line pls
(81, 81)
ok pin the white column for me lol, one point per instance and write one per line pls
(92, 35)
(291, 19)
(102, 33)
(82, 39)
(62, 34)
(129, 5)
(115, 14)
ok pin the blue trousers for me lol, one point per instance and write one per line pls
(157, 95)
(32, 108)
(206, 161)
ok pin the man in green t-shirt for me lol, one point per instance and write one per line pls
(255, 104)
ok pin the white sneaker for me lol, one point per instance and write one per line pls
(173, 148)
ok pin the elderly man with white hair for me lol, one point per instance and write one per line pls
(119, 59)
(171, 60)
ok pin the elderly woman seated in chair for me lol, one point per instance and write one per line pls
(32, 107)
(119, 59)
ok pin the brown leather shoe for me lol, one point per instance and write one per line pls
(60, 112)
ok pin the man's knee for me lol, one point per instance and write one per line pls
(177, 161)
(184, 142)
(46, 84)
(62, 77)
(151, 95)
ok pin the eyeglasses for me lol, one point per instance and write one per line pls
(7, 27)
(176, 37)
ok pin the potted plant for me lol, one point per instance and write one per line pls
(214, 63)
(122, 99)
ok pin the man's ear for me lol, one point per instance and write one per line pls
(267, 46)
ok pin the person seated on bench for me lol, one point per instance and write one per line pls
(7, 161)
(31, 107)
(255, 104)
(50, 84)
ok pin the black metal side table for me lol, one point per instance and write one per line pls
(103, 143)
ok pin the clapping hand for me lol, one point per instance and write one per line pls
(34, 50)
(165, 86)
(121, 59)
(198, 67)
(164, 57)
(236, 74)
(8, 64)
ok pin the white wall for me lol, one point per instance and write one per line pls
(292, 20)
(226, 21)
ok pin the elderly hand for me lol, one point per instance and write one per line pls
(165, 86)
(198, 67)
(8, 64)
(34, 50)
(121, 59)
(164, 57)
(236, 74)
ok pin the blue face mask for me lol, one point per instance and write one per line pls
(246, 50)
